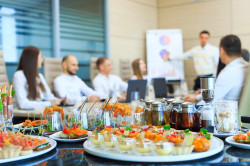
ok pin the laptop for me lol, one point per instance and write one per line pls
(160, 87)
(136, 85)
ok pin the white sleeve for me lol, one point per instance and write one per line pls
(19, 83)
(222, 86)
(48, 94)
(87, 91)
(216, 57)
(184, 56)
(59, 88)
(98, 88)
(123, 85)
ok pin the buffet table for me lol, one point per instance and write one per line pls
(73, 154)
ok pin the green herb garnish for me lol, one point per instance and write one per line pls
(129, 128)
(207, 136)
(13, 92)
(186, 131)
(167, 127)
(204, 131)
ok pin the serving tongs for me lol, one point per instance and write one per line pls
(83, 104)
(91, 107)
(106, 104)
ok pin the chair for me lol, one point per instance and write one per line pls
(93, 68)
(51, 69)
(125, 69)
(3, 74)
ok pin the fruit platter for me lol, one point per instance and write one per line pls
(152, 144)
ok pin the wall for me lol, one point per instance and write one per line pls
(128, 22)
(220, 17)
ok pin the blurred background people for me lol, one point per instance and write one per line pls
(205, 57)
(139, 69)
(31, 88)
(231, 80)
(107, 83)
(245, 56)
(69, 85)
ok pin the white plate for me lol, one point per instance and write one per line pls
(215, 147)
(34, 154)
(222, 135)
(16, 126)
(238, 145)
(56, 137)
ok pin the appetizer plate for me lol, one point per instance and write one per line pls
(16, 126)
(216, 147)
(34, 154)
(235, 144)
(56, 137)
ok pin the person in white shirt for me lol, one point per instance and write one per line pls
(31, 88)
(139, 69)
(107, 83)
(205, 57)
(71, 86)
(230, 81)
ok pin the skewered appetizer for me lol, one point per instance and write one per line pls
(35, 123)
(16, 144)
(73, 133)
(55, 108)
(242, 138)
(118, 108)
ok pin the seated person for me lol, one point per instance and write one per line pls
(106, 83)
(245, 56)
(230, 81)
(139, 70)
(31, 88)
(71, 86)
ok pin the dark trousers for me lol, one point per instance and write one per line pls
(197, 82)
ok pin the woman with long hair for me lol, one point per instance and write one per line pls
(31, 88)
(139, 69)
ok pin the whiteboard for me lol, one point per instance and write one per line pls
(159, 44)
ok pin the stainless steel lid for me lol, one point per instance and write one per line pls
(187, 105)
(207, 82)
(169, 101)
(157, 104)
(148, 102)
(177, 102)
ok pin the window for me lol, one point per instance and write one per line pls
(30, 22)
(23, 23)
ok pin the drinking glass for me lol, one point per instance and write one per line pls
(226, 116)
(135, 99)
(54, 122)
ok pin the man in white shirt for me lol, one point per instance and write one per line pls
(71, 86)
(205, 57)
(106, 83)
(230, 81)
